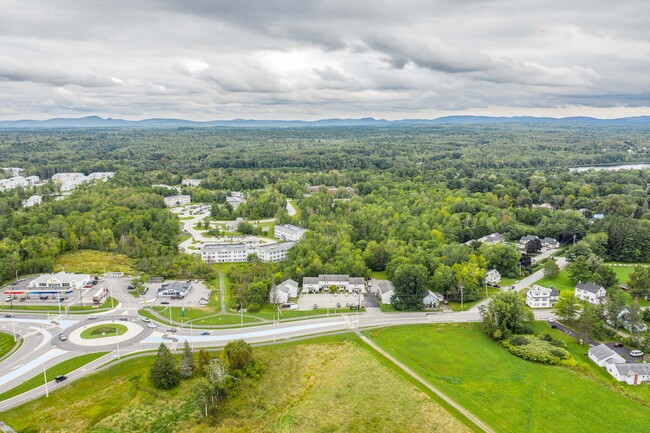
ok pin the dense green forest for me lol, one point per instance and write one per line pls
(421, 195)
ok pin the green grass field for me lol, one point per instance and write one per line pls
(64, 367)
(509, 393)
(6, 343)
(93, 262)
(560, 282)
(456, 306)
(330, 384)
(103, 331)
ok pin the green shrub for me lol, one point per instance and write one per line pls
(518, 340)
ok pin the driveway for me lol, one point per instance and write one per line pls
(625, 353)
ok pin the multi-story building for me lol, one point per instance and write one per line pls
(191, 182)
(590, 292)
(225, 253)
(33, 201)
(177, 200)
(288, 232)
(273, 252)
(541, 297)
(341, 282)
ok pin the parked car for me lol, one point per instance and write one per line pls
(618, 344)
(165, 302)
(44, 297)
(60, 378)
(636, 353)
(92, 317)
(8, 299)
(22, 299)
(151, 325)
(315, 307)
(205, 333)
(338, 305)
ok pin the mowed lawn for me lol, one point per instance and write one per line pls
(331, 384)
(506, 392)
(6, 343)
(561, 282)
(93, 262)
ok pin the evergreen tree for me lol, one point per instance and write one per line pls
(238, 354)
(187, 361)
(579, 270)
(164, 373)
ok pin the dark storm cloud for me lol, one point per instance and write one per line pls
(288, 59)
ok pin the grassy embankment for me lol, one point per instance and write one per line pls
(330, 384)
(509, 393)
(64, 367)
(6, 343)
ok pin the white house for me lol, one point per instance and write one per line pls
(235, 199)
(61, 280)
(273, 252)
(177, 200)
(632, 374)
(225, 253)
(191, 182)
(357, 284)
(281, 293)
(541, 297)
(288, 232)
(603, 355)
(550, 243)
(590, 292)
(432, 300)
(33, 201)
(385, 290)
(494, 238)
(525, 239)
(492, 277)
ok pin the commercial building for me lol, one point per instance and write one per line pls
(175, 289)
(51, 284)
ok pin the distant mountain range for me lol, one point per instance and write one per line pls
(99, 122)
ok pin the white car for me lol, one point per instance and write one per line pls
(92, 317)
(152, 325)
(636, 353)
(146, 319)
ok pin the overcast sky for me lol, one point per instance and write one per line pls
(308, 59)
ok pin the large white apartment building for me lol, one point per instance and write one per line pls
(274, 252)
(541, 297)
(177, 200)
(33, 201)
(225, 253)
(288, 232)
(70, 181)
(324, 282)
(17, 182)
(191, 182)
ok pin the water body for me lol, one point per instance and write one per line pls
(611, 167)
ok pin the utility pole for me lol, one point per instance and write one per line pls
(118, 344)
(328, 304)
(170, 316)
(47, 394)
(461, 297)
(241, 314)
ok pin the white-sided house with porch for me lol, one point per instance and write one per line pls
(432, 300)
(590, 292)
(385, 290)
(632, 374)
(603, 355)
(281, 293)
(541, 297)
(492, 277)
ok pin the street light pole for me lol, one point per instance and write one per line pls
(59, 300)
(13, 324)
(241, 314)
(118, 343)
(47, 394)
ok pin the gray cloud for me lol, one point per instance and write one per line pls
(279, 59)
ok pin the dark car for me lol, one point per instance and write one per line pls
(9, 316)
(618, 344)
(164, 302)
(124, 319)
(60, 378)
(205, 333)
(172, 330)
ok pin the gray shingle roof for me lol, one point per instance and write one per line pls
(589, 287)
(630, 369)
(602, 352)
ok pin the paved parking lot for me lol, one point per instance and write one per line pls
(625, 353)
(199, 290)
(307, 301)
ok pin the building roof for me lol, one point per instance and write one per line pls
(494, 237)
(291, 228)
(384, 286)
(63, 277)
(528, 238)
(290, 282)
(309, 280)
(333, 277)
(286, 286)
(225, 248)
(631, 369)
(602, 352)
(589, 287)
(280, 246)
(357, 280)
(541, 292)
(550, 241)
(180, 286)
